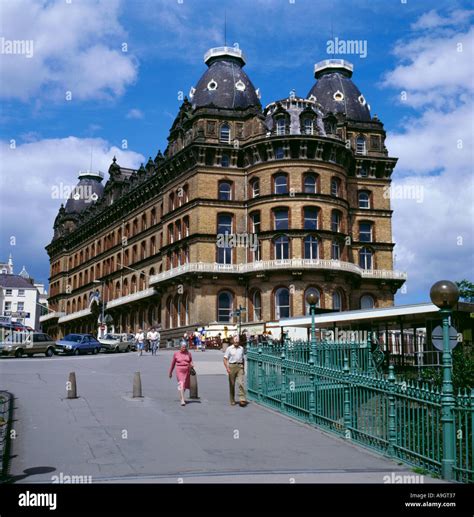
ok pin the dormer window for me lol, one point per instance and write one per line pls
(239, 85)
(280, 126)
(360, 145)
(338, 96)
(308, 125)
(212, 85)
(224, 135)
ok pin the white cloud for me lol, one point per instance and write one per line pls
(433, 68)
(30, 178)
(432, 19)
(435, 237)
(76, 47)
(135, 113)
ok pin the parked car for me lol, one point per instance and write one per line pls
(29, 343)
(77, 344)
(115, 343)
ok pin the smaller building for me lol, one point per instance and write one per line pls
(21, 299)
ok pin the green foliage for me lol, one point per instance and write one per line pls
(466, 290)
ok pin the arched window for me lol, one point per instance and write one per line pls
(255, 187)
(335, 187)
(337, 300)
(310, 217)
(169, 312)
(335, 250)
(281, 247)
(186, 226)
(312, 290)
(225, 160)
(364, 199)
(367, 302)
(280, 184)
(365, 231)
(360, 145)
(224, 306)
(133, 284)
(257, 305)
(171, 202)
(224, 135)
(117, 290)
(281, 218)
(311, 247)
(365, 258)
(336, 221)
(225, 190)
(310, 184)
(224, 227)
(153, 216)
(282, 303)
(177, 228)
(281, 126)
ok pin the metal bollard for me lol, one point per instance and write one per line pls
(71, 386)
(193, 387)
(137, 386)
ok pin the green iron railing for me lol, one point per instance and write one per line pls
(340, 390)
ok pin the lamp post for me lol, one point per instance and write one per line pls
(102, 319)
(312, 300)
(444, 294)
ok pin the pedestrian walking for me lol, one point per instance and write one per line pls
(234, 364)
(197, 339)
(183, 362)
(140, 341)
(154, 337)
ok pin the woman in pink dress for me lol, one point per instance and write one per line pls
(183, 362)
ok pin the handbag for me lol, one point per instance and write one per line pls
(192, 371)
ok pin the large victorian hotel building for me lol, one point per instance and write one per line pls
(299, 189)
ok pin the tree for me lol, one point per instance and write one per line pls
(466, 290)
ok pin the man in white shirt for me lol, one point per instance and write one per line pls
(234, 364)
(140, 340)
(154, 338)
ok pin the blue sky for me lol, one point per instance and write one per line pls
(133, 96)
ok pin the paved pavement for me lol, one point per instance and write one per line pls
(107, 435)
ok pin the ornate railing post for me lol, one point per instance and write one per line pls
(392, 415)
(284, 386)
(259, 373)
(347, 402)
(447, 403)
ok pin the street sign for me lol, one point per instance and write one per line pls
(437, 337)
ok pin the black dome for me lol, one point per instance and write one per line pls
(224, 84)
(85, 193)
(336, 92)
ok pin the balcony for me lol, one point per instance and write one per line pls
(130, 298)
(74, 315)
(273, 265)
(51, 316)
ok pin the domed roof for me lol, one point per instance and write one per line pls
(336, 92)
(86, 192)
(224, 84)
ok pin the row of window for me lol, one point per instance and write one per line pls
(282, 303)
(311, 217)
(281, 250)
(20, 306)
(9, 292)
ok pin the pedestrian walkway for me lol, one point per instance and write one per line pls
(107, 435)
